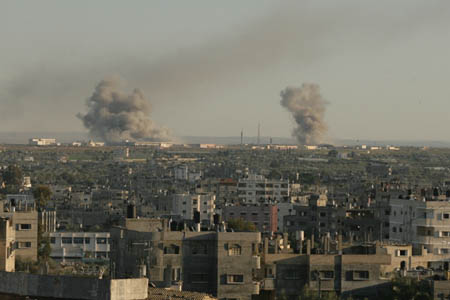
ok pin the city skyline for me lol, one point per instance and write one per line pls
(381, 67)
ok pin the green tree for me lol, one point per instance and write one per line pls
(13, 179)
(42, 194)
(405, 288)
(241, 225)
(44, 248)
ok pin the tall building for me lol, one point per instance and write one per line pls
(263, 216)
(257, 189)
(185, 205)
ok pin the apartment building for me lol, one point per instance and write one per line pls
(217, 263)
(350, 271)
(255, 189)
(25, 222)
(78, 246)
(265, 216)
(185, 205)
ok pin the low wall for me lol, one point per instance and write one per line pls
(66, 287)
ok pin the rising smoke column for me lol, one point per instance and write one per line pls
(308, 109)
(114, 116)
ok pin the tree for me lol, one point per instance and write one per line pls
(405, 288)
(42, 194)
(241, 225)
(13, 179)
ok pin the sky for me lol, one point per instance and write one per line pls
(212, 68)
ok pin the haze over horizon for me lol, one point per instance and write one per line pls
(382, 66)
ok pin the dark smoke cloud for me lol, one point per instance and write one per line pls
(308, 109)
(114, 116)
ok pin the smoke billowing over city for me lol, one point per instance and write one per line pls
(308, 109)
(115, 116)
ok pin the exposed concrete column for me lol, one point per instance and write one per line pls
(308, 247)
(285, 242)
(277, 250)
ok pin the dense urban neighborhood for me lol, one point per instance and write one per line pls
(247, 221)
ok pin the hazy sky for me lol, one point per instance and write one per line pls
(214, 67)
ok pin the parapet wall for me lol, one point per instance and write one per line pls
(66, 287)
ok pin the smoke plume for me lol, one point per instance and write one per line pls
(114, 116)
(308, 109)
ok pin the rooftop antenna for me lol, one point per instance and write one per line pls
(259, 133)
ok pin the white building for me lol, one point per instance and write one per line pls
(70, 246)
(256, 188)
(184, 205)
(421, 223)
(41, 142)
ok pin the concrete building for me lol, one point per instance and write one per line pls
(7, 242)
(25, 221)
(184, 205)
(41, 142)
(257, 189)
(284, 209)
(265, 216)
(217, 263)
(77, 246)
(346, 272)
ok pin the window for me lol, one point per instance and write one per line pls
(360, 275)
(445, 233)
(23, 245)
(323, 214)
(23, 226)
(172, 249)
(324, 275)
(66, 240)
(87, 240)
(52, 240)
(394, 229)
(78, 240)
(234, 250)
(199, 278)
(235, 278)
(402, 253)
(446, 216)
(101, 240)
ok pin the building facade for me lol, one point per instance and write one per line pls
(76, 246)
(265, 216)
(217, 263)
(257, 189)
